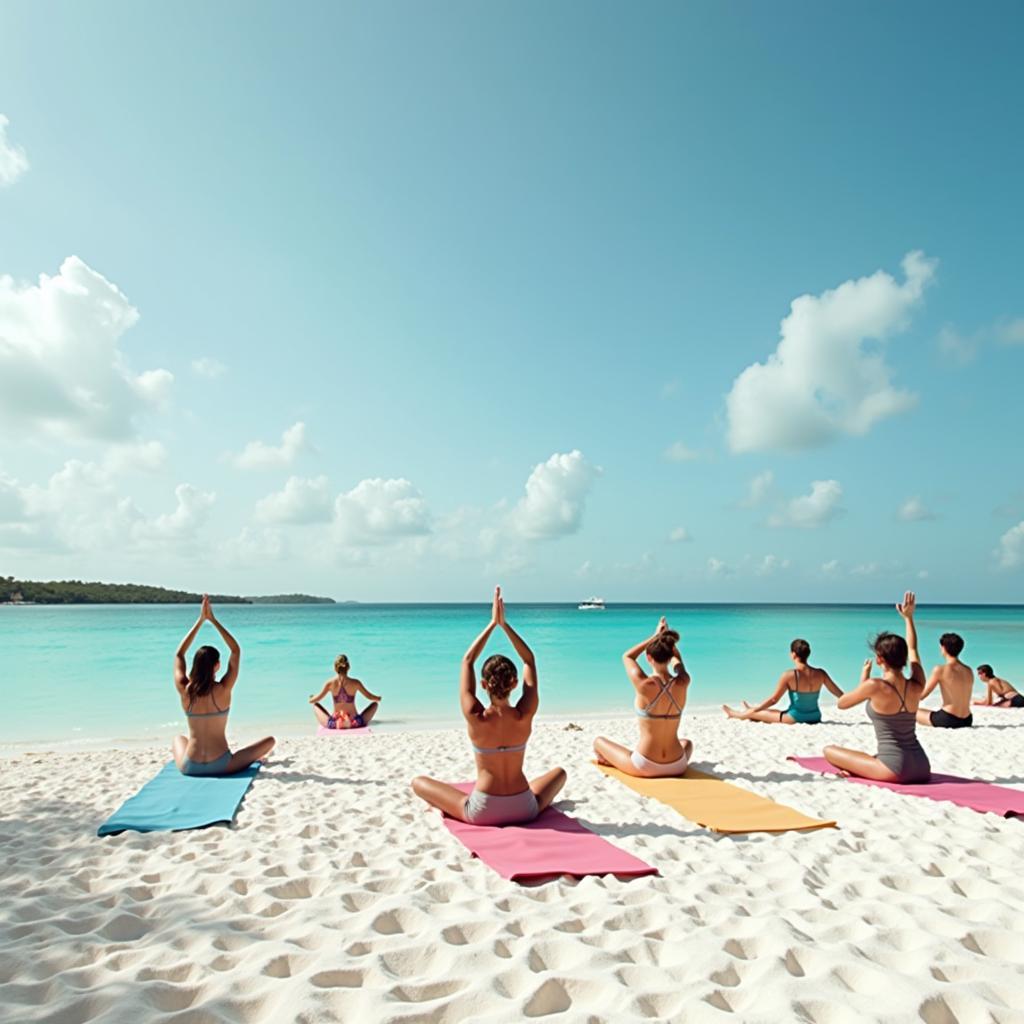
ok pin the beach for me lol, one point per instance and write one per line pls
(335, 895)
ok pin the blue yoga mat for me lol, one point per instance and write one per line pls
(171, 802)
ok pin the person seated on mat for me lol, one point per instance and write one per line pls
(343, 690)
(956, 681)
(998, 692)
(659, 702)
(803, 683)
(499, 733)
(892, 708)
(206, 701)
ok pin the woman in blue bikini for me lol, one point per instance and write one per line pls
(206, 702)
(343, 690)
(499, 733)
(658, 703)
(803, 683)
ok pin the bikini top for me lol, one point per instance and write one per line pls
(343, 697)
(219, 713)
(665, 691)
(499, 750)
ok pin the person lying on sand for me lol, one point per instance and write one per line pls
(206, 701)
(892, 708)
(998, 692)
(499, 733)
(659, 701)
(343, 690)
(956, 680)
(803, 683)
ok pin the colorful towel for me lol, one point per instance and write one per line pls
(718, 805)
(551, 844)
(170, 802)
(978, 795)
(322, 730)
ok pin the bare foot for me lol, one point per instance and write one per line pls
(730, 713)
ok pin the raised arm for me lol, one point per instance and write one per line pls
(528, 702)
(676, 664)
(180, 669)
(231, 675)
(906, 608)
(629, 660)
(467, 678)
(862, 691)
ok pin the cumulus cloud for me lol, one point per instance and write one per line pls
(1010, 553)
(811, 510)
(258, 455)
(680, 535)
(13, 159)
(680, 452)
(914, 510)
(147, 456)
(206, 366)
(958, 349)
(831, 567)
(758, 489)
(1011, 332)
(380, 511)
(716, 567)
(61, 369)
(828, 375)
(771, 564)
(191, 510)
(302, 500)
(556, 496)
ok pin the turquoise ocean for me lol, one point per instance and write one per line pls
(87, 675)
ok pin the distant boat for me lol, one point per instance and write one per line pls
(592, 604)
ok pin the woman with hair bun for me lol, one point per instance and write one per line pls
(499, 733)
(343, 690)
(892, 708)
(659, 702)
(206, 701)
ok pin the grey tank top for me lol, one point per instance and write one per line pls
(898, 746)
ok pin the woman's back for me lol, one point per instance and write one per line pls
(499, 735)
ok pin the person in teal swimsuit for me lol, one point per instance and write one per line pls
(803, 682)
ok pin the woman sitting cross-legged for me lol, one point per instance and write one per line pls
(499, 733)
(343, 689)
(803, 683)
(892, 708)
(206, 701)
(660, 699)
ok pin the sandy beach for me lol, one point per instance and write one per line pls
(336, 896)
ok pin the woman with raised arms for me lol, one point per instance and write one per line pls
(659, 702)
(206, 701)
(499, 733)
(892, 708)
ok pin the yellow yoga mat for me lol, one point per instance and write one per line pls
(718, 805)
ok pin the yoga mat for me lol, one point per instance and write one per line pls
(978, 795)
(551, 844)
(364, 730)
(170, 802)
(718, 805)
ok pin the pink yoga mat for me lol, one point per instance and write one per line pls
(322, 730)
(974, 793)
(551, 844)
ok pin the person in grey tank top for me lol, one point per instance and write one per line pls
(892, 708)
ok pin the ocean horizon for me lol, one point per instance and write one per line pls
(94, 675)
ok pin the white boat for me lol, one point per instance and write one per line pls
(592, 604)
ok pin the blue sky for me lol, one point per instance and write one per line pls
(395, 301)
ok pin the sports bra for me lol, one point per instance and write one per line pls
(666, 691)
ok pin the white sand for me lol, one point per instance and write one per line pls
(337, 896)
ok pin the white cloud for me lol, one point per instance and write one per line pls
(380, 511)
(258, 455)
(679, 452)
(254, 547)
(556, 495)
(302, 500)
(61, 370)
(1011, 332)
(958, 349)
(680, 535)
(914, 510)
(771, 564)
(830, 567)
(759, 489)
(865, 569)
(206, 366)
(192, 509)
(147, 456)
(716, 567)
(13, 159)
(811, 510)
(1010, 552)
(823, 380)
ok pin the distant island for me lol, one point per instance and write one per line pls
(14, 591)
